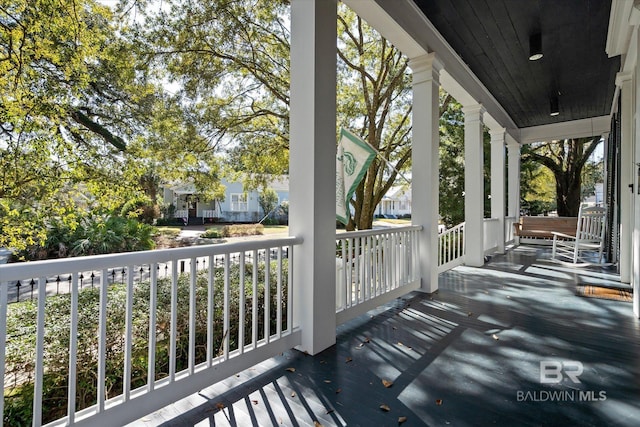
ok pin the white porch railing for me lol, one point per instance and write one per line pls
(451, 248)
(509, 232)
(181, 213)
(178, 334)
(491, 226)
(374, 267)
(210, 213)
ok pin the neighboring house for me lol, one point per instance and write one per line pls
(396, 202)
(238, 205)
(598, 198)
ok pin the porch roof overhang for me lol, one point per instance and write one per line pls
(483, 47)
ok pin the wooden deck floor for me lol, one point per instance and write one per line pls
(468, 355)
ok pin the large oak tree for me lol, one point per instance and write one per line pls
(232, 61)
(566, 159)
(84, 122)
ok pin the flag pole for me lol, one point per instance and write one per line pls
(386, 161)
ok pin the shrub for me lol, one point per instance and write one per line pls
(21, 333)
(237, 230)
(212, 233)
(170, 221)
(91, 235)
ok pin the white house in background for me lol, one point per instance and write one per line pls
(598, 198)
(396, 202)
(238, 205)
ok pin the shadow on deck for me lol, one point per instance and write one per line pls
(468, 355)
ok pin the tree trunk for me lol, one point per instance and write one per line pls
(568, 196)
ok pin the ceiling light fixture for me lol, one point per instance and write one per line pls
(555, 108)
(535, 47)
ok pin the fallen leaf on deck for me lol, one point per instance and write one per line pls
(495, 337)
(387, 384)
(291, 369)
(438, 401)
(349, 360)
(317, 424)
(385, 408)
(401, 420)
(366, 340)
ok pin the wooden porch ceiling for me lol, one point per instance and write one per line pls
(492, 38)
(457, 357)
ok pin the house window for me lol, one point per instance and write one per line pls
(239, 202)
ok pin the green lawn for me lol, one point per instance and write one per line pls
(276, 229)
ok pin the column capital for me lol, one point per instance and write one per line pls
(473, 111)
(425, 67)
(512, 144)
(497, 135)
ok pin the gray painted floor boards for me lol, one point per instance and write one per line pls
(468, 355)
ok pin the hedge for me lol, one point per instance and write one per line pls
(21, 337)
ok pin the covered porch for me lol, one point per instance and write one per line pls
(463, 346)
(467, 355)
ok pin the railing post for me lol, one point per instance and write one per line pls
(312, 169)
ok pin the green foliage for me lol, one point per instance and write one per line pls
(91, 234)
(234, 230)
(566, 160)
(268, 200)
(592, 174)
(452, 166)
(232, 59)
(21, 332)
(538, 188)
(212, 233)
(240, 86)
(451, 150)
(85, 123)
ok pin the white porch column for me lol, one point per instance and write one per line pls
(635, 280)
(497, 182)
(425, 163)
(624, 81)
(635, 196)
(473, 186)
(513, 201)
(312, 169)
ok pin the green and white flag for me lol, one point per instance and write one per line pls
(352, 161)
